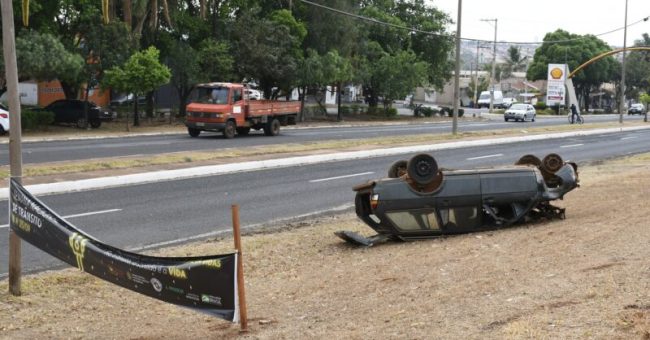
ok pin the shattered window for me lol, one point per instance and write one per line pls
(461, 217)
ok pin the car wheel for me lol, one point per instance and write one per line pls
(229, 130)
(81, 123)
(193, 132)
(533, 118)
(272, 127)
(397, 169)
(243, 131)
(2, 131)
(506, 119)
(422, 169)
(95, 123)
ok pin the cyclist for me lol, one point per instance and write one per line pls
(574, 113)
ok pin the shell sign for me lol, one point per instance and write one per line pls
(555, 90)
(556, 73)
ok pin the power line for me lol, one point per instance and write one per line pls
(412, 29)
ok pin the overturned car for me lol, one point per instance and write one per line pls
(418, 200)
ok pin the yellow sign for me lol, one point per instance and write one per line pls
(78, 246)
(556, 73)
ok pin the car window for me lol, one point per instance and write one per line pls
(414, 220)
(236, 95)
(461, 217)
(519, 107)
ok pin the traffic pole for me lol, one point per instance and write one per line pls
(241, 294)
(15, 152)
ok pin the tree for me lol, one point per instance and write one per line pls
(336, 70)
(396, 75)
(143, 72)
(575, 52)
(34, 55)
(514, 63)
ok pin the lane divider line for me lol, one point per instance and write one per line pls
(571, 145)
(80, 215)
(481, 157)
(340, 177)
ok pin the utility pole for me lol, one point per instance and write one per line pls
(15, 152)
(476, 79)
(454, 129)
(622, 104)
(494, 63)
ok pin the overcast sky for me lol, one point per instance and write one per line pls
(529, 21)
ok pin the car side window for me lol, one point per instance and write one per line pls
(414, 220)
(460, 217)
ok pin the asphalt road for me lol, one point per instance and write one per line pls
(49, 151)
(150, 215)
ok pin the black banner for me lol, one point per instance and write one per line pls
(206, 283)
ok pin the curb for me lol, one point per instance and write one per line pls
(212, 170)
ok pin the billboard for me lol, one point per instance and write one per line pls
(205, 283)
(555, 91)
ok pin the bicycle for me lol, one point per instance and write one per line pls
(578, 120)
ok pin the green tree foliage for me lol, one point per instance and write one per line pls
(40, 56)
(637, 69)
(514, 62)
(575, 53)
(142, 73)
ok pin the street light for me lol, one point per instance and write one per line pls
(622, 104)
(494, 62)
(454, 128)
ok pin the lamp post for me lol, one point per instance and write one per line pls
(494, 62)
(454, 129)
(622, 104)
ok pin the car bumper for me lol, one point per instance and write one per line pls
(206, 126)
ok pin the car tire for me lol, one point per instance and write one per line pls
(506, 119)
(95, 123)
(229, 130)
(193, 132)
(272, 127)
(81, 123)
(243, 131)
(533, 118)
(422, 169)
(552, 163)
(2, 131)
(397, 169)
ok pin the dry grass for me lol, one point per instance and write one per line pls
(584, 277)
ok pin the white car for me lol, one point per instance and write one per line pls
(4, 120)
(507, 102)
(253, 94)
(520, 112)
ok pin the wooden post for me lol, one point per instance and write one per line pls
(15, 153)
(243, 321)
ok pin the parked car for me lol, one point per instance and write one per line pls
(484, 99)
(4, 120)
(520, 112)
(638, 109)
(507, 102)
(126, 100)
(419, 200)
(253, 94)
(72, 111)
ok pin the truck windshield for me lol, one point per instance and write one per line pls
(212, 95)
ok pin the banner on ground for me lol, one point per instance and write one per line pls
(555, 92)
(206, 283)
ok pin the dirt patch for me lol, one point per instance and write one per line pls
(584, 277)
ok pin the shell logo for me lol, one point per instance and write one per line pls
(556, 73)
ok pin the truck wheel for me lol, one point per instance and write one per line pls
(193, 132)
(243, 131)
(272, 128)
(229, 130)
(95, 123)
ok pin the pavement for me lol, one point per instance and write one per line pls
(212, 170)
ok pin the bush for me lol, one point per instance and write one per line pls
(33, 119)
(355, 108)
(345, 110)
(540, 106)
(450, 112)
(391, 112)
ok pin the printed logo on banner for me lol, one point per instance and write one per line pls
(157, 286)
(213, 300)
(78, 246)
(216, 263)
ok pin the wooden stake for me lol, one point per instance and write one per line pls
(243, 321)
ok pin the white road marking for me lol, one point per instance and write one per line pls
(80, 215)
(631, 137)
(488, 156)
(571, 145)
(339, 177)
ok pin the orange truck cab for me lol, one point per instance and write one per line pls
(226, 108)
